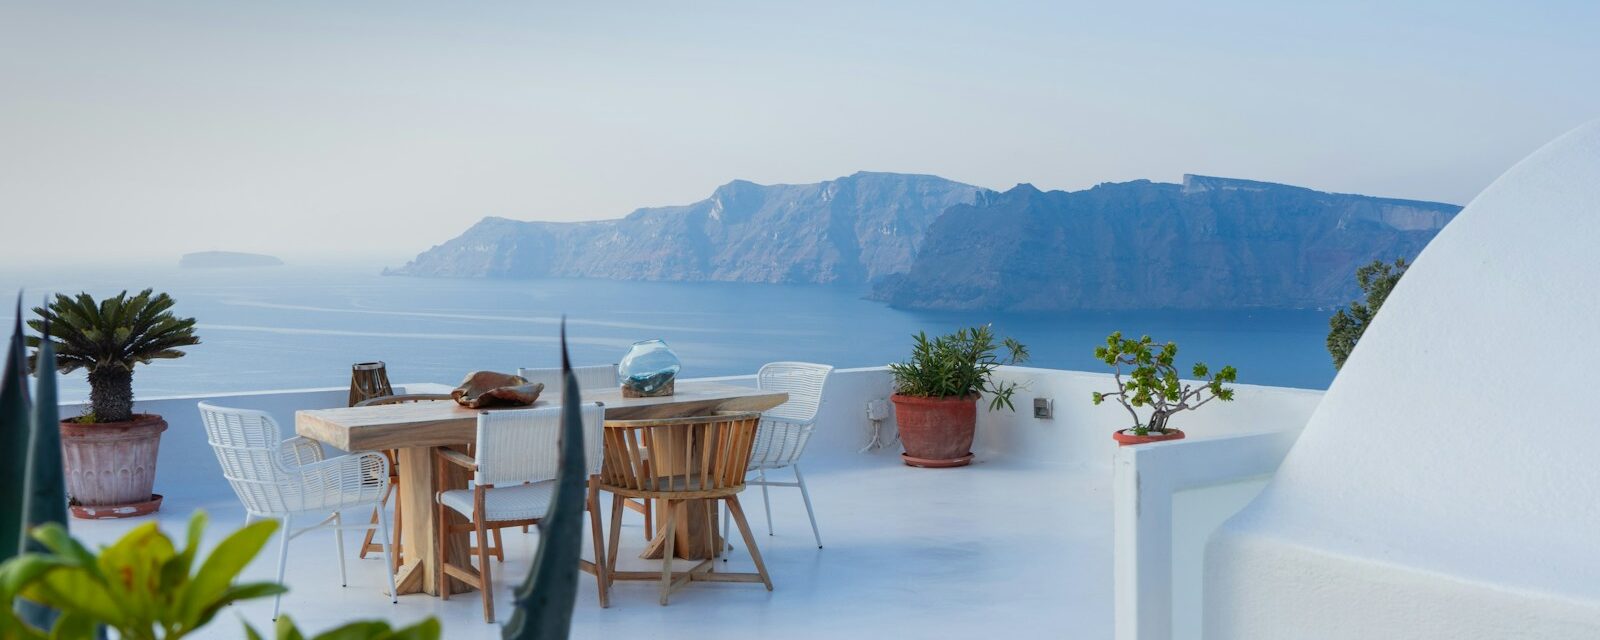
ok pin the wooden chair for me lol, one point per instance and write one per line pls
(367, 545)
(514, 471)
(697, 458)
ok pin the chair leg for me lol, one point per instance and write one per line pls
(441, 583)
(366, 541)
(649, 522)
(713, 545)
(669, 550)
(806, 495)
(338, 540)
(765, 501)
(749, 540)
(283, 560)
(388, 554)
(726, 542)
(395, 552)
(499, 546)
(616, 537)
(487, 587)
(601, 575)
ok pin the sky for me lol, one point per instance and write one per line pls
(369, 131)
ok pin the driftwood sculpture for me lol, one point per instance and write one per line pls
(483, 389)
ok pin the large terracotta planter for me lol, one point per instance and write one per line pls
(111, 467)
(936, 432)
(1126, 437)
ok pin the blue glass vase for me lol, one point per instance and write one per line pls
(649, 369)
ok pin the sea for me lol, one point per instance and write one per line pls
(296, 327)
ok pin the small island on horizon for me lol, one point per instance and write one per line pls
(226, 260)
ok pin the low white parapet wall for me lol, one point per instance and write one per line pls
(1169, 498)
(1078, 433)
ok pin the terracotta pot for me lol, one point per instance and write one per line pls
(111, 465)
(936, 432)
(1125, 437)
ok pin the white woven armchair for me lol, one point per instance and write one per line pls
(595, 377)
(285, 479)
(785, 430)
(514, 472)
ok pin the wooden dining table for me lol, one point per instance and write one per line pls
(414, 430)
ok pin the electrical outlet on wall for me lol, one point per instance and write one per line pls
(1043, 408)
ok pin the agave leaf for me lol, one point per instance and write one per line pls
(15, 431)
(46, 496)
(544, 601)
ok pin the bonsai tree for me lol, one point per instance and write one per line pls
(1347, 325)
(1152, 381)
(107, 339)
(958, 365)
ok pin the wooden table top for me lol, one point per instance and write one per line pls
(443, 422)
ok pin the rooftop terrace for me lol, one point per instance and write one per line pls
(1019, 544)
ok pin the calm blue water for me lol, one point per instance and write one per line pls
(296, 327)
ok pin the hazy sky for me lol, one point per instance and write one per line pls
(320, 130)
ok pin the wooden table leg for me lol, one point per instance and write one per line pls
(417, 487)
(697, 536)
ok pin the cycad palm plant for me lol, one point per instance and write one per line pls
(108, 338)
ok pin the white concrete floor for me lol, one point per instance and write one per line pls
(1003, 549)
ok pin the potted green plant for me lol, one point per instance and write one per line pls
(109, 453)
(1153, 382)
(937, 390)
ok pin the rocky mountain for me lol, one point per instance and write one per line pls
(926, 242)
(847, 231)
(1209, 243)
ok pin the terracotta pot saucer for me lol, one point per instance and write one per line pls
(114, 511)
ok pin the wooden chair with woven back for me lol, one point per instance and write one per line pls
(675, 460)
(514, 468)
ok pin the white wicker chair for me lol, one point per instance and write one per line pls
(288, 478)
(785, 429)
(514, 471)
(598, 377)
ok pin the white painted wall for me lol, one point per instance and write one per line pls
(1168, 499)
(1080, 432)
(1446, 487)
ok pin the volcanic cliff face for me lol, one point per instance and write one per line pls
(1209, 243)
(845, 231)
(927, 242)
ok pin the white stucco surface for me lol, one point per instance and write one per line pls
(1447, 484)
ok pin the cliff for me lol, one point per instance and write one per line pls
(1209, 243)
(845, 231)
(926, 242)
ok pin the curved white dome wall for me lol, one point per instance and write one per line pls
(1449, 483)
